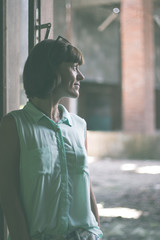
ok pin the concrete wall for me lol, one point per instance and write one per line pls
(121, 145)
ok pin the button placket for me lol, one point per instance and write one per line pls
(64, 202)
(64, 209)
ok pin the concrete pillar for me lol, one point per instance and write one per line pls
(137, 66)
(12, 55)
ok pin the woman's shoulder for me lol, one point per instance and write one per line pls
(8, 127)
(77, 118)
(7, 121)
(78, 123)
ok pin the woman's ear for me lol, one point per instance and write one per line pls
(58, 79)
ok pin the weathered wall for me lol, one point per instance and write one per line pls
(121, 145)
(138, 82)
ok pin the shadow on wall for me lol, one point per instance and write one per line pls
(120, 145)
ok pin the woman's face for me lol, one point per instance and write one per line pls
(70, 78)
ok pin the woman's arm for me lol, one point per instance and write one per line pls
(9, 180)
(94, 205)
(92, 197)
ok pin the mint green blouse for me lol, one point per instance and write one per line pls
(54, 175)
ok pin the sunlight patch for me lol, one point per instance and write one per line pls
(91, 159)
(141, 170)
(149, 170)
(119, 212)
(21, 106)
(128, 167)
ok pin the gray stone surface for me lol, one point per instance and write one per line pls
(130, 185)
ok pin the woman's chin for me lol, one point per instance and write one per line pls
(74, 94)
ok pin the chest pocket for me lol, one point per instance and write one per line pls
(81, 160)
(41, 160)
(76, 160)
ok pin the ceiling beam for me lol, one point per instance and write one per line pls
(87, 3)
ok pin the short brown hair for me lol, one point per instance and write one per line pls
(39, 75)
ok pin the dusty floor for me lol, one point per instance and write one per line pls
(132, 186)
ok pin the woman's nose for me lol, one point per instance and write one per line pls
(80, 76)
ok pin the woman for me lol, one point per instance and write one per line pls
(45, 191)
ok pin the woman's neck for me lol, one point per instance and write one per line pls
(48, 107)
